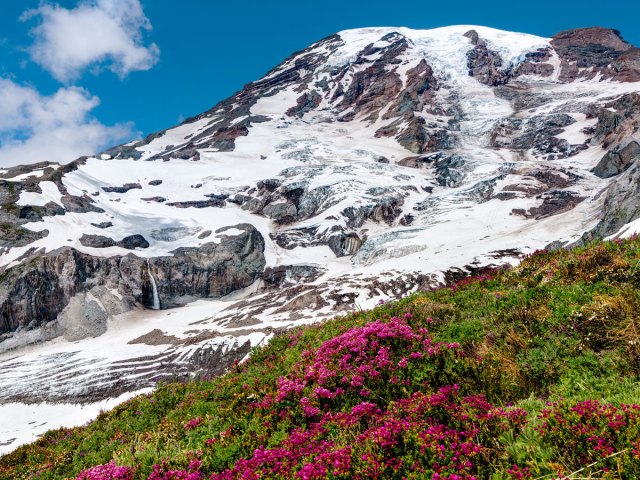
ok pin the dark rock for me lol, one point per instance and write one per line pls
(154, 199)
(102, 225)
(155, 182)
(36, 213)
(123, 189)
(617, 160)
(217, 201)
(99, 241)
(133, 241)
(84, 204)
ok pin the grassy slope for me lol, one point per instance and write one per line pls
(559, 329)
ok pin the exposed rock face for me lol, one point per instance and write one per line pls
(130, 242)
(618, 160)
(587, 52)
(621, 205)
(34, 293)
(617, 120)
(484, 64)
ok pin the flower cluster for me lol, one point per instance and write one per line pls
(443, 435)
(163, 472)
(108, 471)
(193, 423)
(593, 431)
(380, 361)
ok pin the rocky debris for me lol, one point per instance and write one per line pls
(35, 293)
(123, 189)
(287, 275)
(154, 199)
(155, 183)
(617, 160)
(588, 52)
(626, 67)
(39, 170)
(84, 204)
(540, 136)
(87, 313)
(217, 201)
(553, 203)
(130, 242)
(537, 181)
(454, 275)
(102, 225)
(448, 167)
(485, 65)
(204, 234)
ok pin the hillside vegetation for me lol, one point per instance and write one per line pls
(531, 372)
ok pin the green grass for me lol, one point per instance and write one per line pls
(561, 327)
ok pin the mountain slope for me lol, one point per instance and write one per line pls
(515, 374)
(374, 163)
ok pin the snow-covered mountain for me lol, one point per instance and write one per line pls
(371, 164)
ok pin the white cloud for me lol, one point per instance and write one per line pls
(95, 34)
(59, 128)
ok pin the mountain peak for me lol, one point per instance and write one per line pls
(374, 163)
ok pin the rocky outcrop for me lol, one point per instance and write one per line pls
(130, 242)
(84, 204)
(553, 203)
(620, 206)
(588, 52)
(617, 160)
(36, 292)
(617, 120)
(123, 189)
(484, 64)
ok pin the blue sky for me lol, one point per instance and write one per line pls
(172, 59)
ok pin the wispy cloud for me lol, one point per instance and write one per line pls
(95, 34)
(58, 128)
